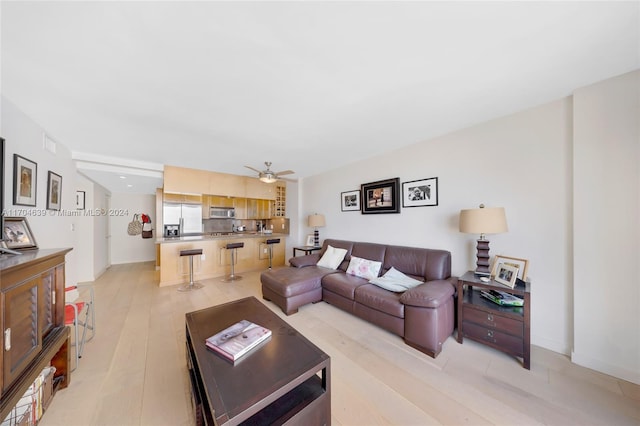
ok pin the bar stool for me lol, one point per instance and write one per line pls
(233, 277)
(191, 285)
(270, 244)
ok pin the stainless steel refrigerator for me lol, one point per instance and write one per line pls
(188, 216)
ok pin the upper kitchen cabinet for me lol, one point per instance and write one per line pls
(192, 181)
(185, 181)
(258, 189)
(181, 198)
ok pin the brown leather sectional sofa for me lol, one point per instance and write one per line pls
(423, 315)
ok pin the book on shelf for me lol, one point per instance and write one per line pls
(237, 340)
(502, 298)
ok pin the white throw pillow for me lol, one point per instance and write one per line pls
(332, 257)
(395, 281)
(363, 268)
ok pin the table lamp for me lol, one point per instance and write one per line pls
(316, 221)
(483, 221)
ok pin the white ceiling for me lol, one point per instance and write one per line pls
(309, 86)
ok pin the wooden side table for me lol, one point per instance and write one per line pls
(504, 328)
(305, 249)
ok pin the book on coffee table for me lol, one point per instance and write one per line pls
(237, 340)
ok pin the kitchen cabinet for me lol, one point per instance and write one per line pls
(182, 198)
(186, 181)
(32, 320)
(255, 188)
(280, 203)
(258, 209)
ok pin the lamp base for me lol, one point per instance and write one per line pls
(316, 238)
(482, 264)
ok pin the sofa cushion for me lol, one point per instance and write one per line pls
(343, 284)
(332, 257)
(396, 281)
(380, 299)
(363, 268)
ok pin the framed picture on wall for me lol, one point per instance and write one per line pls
(25, 177)
(54, 191)
(350, 201)
(80, 200)
(381, 197)
(420, 193)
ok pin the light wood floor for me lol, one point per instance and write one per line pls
(134, 371)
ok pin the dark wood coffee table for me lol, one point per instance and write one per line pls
(275, 383)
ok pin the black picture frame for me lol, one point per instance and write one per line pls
(350, 201)
(17, 234)
(420, 193)
(382, 196)
(54, 191)
(25, 179)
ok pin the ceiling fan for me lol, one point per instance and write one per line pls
(268, 176)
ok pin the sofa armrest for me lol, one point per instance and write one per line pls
(431, 294)
(302, 261)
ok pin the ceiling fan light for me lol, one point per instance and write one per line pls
(268, 178)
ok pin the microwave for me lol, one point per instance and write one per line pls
(222, 212)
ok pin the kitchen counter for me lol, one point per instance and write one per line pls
(215, 259)
(227, 236)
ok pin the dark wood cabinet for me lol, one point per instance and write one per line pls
(502, 327)
(32, 320)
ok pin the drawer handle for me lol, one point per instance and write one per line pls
(490, 336)
(489, 317)
(7, 339)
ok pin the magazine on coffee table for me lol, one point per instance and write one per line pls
(237, 340)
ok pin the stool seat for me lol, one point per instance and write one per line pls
(233, 247)
(192, 252)
(191, 285)
(270, 242)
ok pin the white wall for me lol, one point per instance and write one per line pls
(124, 247)
(92, 241)
(524, 162)
(51, 229)
(517, 162)
(607, 230)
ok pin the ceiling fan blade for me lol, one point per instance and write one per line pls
(288, 179)
(284, 172)
(255, 170)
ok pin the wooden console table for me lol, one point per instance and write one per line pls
(275, 383)
(32, 320)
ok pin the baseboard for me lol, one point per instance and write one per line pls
(606, 368)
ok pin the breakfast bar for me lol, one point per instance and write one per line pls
(216, 260)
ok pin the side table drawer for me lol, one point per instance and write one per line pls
(492, 320)
(506, 342)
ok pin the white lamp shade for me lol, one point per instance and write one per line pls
(483, 220)
(316, 221)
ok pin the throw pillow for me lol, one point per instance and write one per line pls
(363, 268)
(332, 257)
(395, 281)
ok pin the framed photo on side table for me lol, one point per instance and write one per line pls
(350, 201)
(381, 197)
(54, 191)
(25, 177)
(309, 242)
(420, 193)
(17, 234)
(521, 264)
(506, 274)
